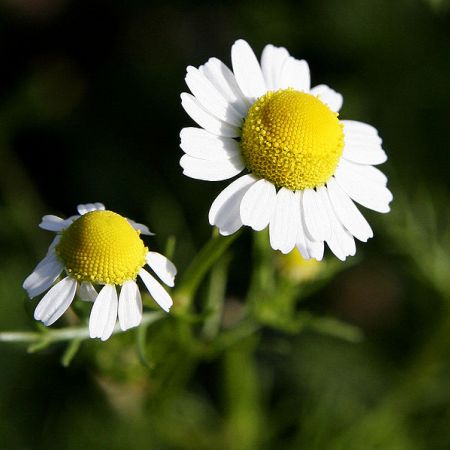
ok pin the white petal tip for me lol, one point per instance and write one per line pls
(225, 232)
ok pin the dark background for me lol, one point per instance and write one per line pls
(90, 111)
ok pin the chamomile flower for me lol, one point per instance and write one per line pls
(98, 247)
(304, 166)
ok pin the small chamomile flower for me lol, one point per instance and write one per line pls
(98, 247)
(305, 166)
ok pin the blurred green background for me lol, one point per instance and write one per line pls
(90, 111)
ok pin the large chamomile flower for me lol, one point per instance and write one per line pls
(98, 247)
(304, 166)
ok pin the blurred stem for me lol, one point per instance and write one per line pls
(49, 336)
(215, 298)
(244, 419)
(228, 338)
(170, 247)
(332, 327)
(262, 279)
(199, 267)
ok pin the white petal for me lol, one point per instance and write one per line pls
(341, 242)
(104, 313)
(295, 74)
(163, 267)
(159, 294)
(365, 172)
(225, 210)
(257, 205)
(328, 96)
(210, 98)
(364, 154)
(358, 135)
(307, 247)
(315, 249)
(301, 242)
(86, 292)
(347, 212)
(140, 227)
(362, 144)
(56, 301)
(53, 244)
(89, 207)
(357, 139)
(247, 70)
(272, 59)
(202, 169)
(206, 120)
(225, 82)
(285, 221)
(201, 144)
(43, 276)
(365, 191)
(315, 215)
(130, 305)
(361, 128)
(54, 223)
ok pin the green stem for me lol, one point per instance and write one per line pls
(216, 297)
(199, 267)
(332, 327)
(66, 334)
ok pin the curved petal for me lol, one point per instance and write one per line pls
(89, 207)
(358, 133)
(361, 128)
(272, 59)
(56, 301)
(163, 267)
(328, 96)
(130, 305)
(225, 210)
(86, 292)
(104, 313)
(295, 74)
(202, 169)
(257, 205)
(316, 249)
(54, 223)
(247, 70)
(347, 212)
(225, 82)
(210, 98)
(364, 154)
(365, 191)
(307, 247)
(362, 143)
(315, 215)
(159, 294)
(140, 227)
(341, 242)
(201, 144)
(43, 276)
(54, 243)
(206, 120)
(365, 172)
(285, 221)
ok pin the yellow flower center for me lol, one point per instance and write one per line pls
(292, 139)
(102, 247)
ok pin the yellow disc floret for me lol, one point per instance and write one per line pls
(292, 139)
(103, 248)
